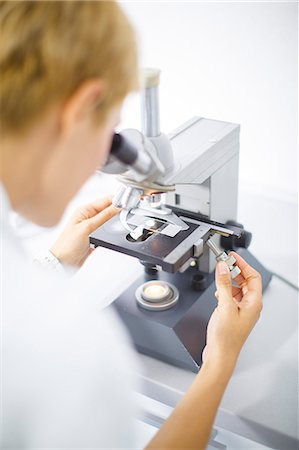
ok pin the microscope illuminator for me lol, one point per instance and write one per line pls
(157, 295)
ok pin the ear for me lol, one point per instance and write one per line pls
(80, 105)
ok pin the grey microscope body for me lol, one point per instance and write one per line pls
(187, 194)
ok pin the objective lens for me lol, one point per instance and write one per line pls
(153, 200)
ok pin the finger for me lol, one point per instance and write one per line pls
(223, 284)
(100, 204)
(87, 211)
(251, 307)
(102, 217)
(237, 297)
(95, 207)
(235, 291)
(250, 275)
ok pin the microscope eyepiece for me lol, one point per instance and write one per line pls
(123, 150)
(129, 155)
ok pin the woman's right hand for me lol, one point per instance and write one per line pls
(236, 314)
(237, 311)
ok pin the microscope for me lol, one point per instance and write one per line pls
(178, 203)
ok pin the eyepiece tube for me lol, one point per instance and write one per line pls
(150, 120)
(123, 151)
(129, 155)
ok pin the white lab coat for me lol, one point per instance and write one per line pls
(67, 368)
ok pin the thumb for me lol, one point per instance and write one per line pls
(102, 217)
(223, 283)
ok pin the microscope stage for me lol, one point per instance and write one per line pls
(168, 252)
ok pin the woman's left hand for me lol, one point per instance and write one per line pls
(72, 247)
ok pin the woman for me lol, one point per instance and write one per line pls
(67, 377)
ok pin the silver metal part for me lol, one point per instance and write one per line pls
(147, 166)
(220, 230)
(223, 256)
(160, 214)
(143, 163)
(235, 272)
(164, 295)
(215, 249)
(198, 248)
(171, 230)
(130, 219)
(162, 210)
(150, 120)
(137, 232)
(127, 197)
(123, 220)
(153, 200)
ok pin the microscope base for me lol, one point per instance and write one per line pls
(178, 335)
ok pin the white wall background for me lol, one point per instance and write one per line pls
(229, 61)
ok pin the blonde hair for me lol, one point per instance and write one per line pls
(49, 48)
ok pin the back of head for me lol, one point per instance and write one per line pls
(48, 49)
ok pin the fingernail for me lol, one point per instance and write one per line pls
(222, 268)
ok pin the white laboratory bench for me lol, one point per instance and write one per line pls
(261, 401)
